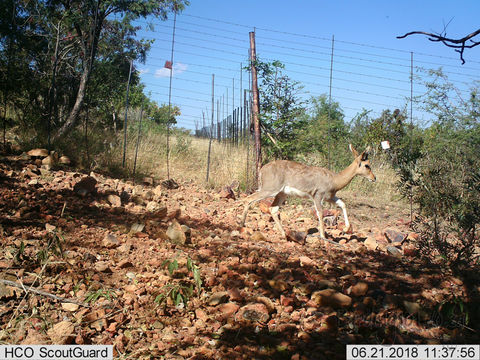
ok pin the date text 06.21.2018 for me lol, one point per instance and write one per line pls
(413, 352)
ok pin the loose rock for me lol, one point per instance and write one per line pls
(330, 297)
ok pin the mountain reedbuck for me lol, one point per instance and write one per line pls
(283, 177)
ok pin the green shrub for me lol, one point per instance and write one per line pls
(441, 173)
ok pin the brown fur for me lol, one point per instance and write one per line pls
(318, 184)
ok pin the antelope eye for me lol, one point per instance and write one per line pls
(367, 166)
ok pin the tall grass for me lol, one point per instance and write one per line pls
(228, 164)
(187, 159)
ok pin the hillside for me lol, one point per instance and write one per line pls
(91, 254)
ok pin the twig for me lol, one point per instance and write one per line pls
(63, 209)
(458, 44)
(464, 326)
(41, 292)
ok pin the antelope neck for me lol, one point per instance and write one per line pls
(344, 177)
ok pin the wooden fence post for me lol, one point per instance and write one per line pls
(255, 107)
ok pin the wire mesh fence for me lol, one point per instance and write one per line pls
(362, 78)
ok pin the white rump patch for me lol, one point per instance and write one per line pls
(295, 192)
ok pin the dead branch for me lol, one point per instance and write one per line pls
(41, 292)
(458, 44)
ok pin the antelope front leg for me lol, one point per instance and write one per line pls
(277, 202)
(341, 204)
(319, 211)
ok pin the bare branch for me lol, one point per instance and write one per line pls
(41, 292)
(458, 44)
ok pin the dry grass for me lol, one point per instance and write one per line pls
(228, 164)
(187, 160)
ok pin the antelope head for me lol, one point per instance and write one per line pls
(363, 164)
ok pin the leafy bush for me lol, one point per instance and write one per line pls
(442, 175)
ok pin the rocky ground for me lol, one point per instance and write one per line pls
(165, 272)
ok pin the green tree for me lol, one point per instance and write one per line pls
(95, 21)
(71, 51)
(281, 110)
(164, 114)
(325, 131)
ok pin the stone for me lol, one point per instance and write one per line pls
(306, 261)
(35, 337)
(332, 298)
(264, 206)
(392, 250)
(175, 233)
(38, 153)
(359, 289)
(325, 284)
(256, 312)
(286, 300)
(201, 315)
(125, 248)
(336, 233)
(102, 266)
(85, 186)
(186, 230)
(235, 295)
(227, 310)
(258, 236)
(328, 323)
(413, 236)
(394, 236)
(410, 250)
(235, 233)
(156, 209)
(371, 243)
(218, 298)
(65, 160)
(158, 191)
(227, 193)
(61, 333)
(148, 195)
(49, 160)
(297, 236)
(137, 228)
(70, 307)
(114, 200)
(110, 241)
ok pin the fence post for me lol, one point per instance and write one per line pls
(211, 129)
(411, 128)
(170, 95)
(126, 116)
(255, 107)
(138, 142)
(247, 134)
(330, 103)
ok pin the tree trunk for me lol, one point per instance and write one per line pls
(73, 116)
(89, 56)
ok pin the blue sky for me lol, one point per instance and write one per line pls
(371, 68)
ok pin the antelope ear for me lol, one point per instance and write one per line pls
(352, 149)
(364, 155)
